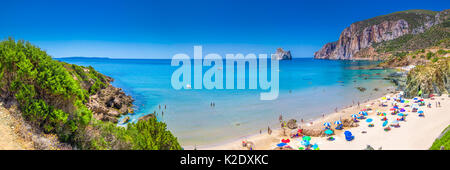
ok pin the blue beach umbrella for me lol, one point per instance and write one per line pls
(281, 144)
(402, 110)
(363, 113)
(315, 146)
(354, 115)
(305, 143)
(395, 107)
(369, 120)
(337, 122)
(401, 114)
(420, 111)
(328, 132)
(327, 124)
(385, 123)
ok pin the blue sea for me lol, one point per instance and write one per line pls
(308, 89)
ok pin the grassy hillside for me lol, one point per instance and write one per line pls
(443, 140)
(51, 96)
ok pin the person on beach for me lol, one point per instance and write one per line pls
(165, 107)
(439, 104)
(358, 104)
(280, 118)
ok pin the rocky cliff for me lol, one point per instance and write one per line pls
(106, 102)
(355, 41)
(109, 103)
(283, 55)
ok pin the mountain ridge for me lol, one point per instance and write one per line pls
(356, 41)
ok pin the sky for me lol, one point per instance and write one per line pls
(162, 28)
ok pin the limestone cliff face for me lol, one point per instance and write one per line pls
(283, 55)
(363, 34)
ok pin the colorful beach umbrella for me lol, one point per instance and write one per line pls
(401, 114)
(385, 123)
(354, 115)
(307, 138)
(305, 142)
(281, 144)
(369, 120)
(337, 122)
(363, 113)
(383, 114)
(327, 124)
(285, 140)
(328, 132)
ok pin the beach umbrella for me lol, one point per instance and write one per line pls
(281, 144)
(420, 111)
(395, 107)
(307, 138)
(402, 110)
(363, 113)
(327, 124)
(369, 120)
(337, 122)
(401, 114)
(315, 146)
(383, 114)
(354, 115)
(328, 132)
(383, 98)
(285, 140)
(392, 109)
(385, 123)
(305, 142)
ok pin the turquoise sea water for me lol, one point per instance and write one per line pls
(308, 89)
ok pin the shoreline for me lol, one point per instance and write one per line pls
(277, 129)
(265, 141)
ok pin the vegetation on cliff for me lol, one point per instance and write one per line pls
(52, 96)
(415, 18)
(442, 141)
(433, 77)
(437, 35)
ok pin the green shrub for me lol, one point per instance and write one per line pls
(51, 99)
(444, 141)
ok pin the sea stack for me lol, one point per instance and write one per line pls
(283, 55)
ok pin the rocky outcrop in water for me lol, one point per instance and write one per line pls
(355, 41)
(283, 55)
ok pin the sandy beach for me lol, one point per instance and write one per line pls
(416, 133)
